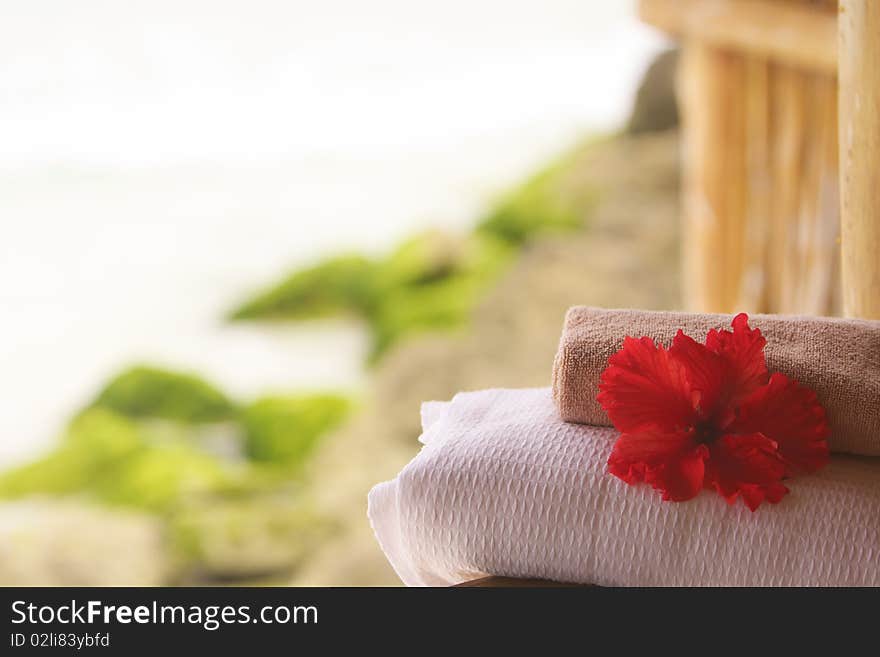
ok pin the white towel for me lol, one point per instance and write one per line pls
(504, 487)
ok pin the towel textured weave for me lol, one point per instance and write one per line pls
(838, 358)
(504, 487)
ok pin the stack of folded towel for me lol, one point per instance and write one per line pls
(514, 482)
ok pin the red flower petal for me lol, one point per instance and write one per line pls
(792, 417)
(748, 466)
(644, 387)
(742, 351)
(704, 371)
(670, 462)
(754, 495)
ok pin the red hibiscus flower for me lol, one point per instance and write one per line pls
(710, 416)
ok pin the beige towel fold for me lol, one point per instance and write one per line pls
(838, 358)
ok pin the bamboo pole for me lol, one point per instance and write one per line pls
(859, 106)
(832, 201)
(702, 97)
(819, 206)
(736, 181)
(789, 102)
(753, 278)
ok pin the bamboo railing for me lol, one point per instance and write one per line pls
(758, 91)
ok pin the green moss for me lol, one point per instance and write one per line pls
(339, 285)
(440, 306)
(540, 205)
(430, 282)
(144, 391)
(426, 258)
(435, 256)
(284, 430)
(433, 280)
(97, 441)
(438, 302)
(157, 478)
(109, 457)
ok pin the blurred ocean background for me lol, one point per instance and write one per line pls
(162, 160)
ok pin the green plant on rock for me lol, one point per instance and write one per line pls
(425, 258)
(440, 306)
(158, 477)
(430, 282)
(145, 391)
(433, 280)
(433, 283)
(283, 430)
(340, 285)
(540, 205)
(108, 457)
(95, 442)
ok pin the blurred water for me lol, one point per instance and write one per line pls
(161, 159)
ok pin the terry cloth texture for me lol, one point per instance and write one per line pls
(504, 487)
(838, 358)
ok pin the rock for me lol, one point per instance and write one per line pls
(248, 537)
(656, 107)
(69, 543)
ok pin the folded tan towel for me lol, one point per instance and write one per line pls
(838, 358)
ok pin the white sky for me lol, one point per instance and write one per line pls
(161, 159)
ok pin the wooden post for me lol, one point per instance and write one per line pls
(859, 139)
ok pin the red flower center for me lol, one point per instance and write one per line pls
(705, 432)
(710, 416)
